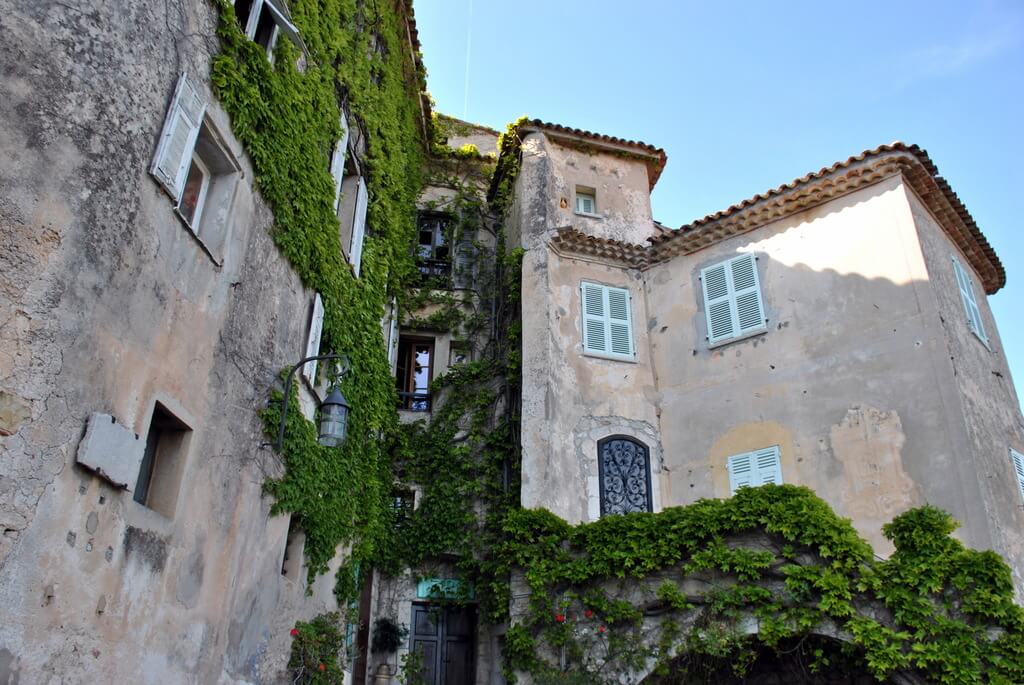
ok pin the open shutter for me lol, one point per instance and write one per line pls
(741, 471)
(717, 304)
(594, 318)
(359, 226)
(1018, 466)
(178, 138)
(620, 324)
(768, 468)
(316, 327)
(747, 294)
(966, 286)
(338, 163)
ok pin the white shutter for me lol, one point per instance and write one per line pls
(751, 469)
(741, 471)
(316, 328)
(358, 226)
(747, 294)
(607, 321)
(620, 324)
(338, 163)
(963, 280)
(717, 303)
(1018, 467)
(594, 337)
(733, 304)
(769, 470)
(178, 138)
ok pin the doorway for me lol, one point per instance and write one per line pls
(445, 637)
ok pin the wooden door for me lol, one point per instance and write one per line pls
(445, 637)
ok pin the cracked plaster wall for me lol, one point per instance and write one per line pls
(106, 304)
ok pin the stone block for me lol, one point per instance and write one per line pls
(13, 412)
(111, 451)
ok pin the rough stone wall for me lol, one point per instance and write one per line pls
(108, 304)
(982, 392)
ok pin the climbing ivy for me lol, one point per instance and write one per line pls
(287, 114)
(612, 596)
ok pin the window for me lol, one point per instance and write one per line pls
(966, 286)
(313, 335)
(624, 473)
(193, 166)
(415, 370)
(1018, 466)
(607, 321)
(751, 469)
(586, 201)
(432, 255)
(163, 462)
(263, 20)
(732, 299)
(403, 503)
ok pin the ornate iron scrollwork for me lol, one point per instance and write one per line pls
(625, 476)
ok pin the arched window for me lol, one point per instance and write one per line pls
(624, 467)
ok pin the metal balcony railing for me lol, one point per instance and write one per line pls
(414, 401)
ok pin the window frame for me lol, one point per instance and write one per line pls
(582, 194)
(197, 216)
(606, 317)
(755, 468)
(732, 298)
(409, 397)
(282, 23)
(433, 267)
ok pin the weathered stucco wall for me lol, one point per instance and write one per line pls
(109, 304)
(982, 392)
(852, 380)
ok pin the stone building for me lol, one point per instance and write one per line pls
(146, 315)
(831, 332)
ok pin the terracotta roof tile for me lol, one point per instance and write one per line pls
(655, 155)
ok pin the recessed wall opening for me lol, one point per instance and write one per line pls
(294, 546)
(163, 462)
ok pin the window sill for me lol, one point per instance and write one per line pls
(219, 262)
(982, 340)
(744, 336)
(589, 215)
(611, 357)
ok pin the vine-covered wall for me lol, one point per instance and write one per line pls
(287, 116)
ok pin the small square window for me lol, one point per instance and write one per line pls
(586, 202)
(163, 462)
(459, 353)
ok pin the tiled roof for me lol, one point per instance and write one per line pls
(655, 156)
(843, 177)
(571, 240)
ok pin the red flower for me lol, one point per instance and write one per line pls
(588, 613)
(295, 632)
(322, 667)
(601, 629)
(560, 618)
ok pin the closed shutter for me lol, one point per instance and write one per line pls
(607, 321)
(178, 138)
(741, 471)
(338, 163)
(316, 327)
(751, 469)
(732, 298)
(966, 286)
(359, 225)
(1018, 467)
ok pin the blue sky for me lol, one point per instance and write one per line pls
(745, 96)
